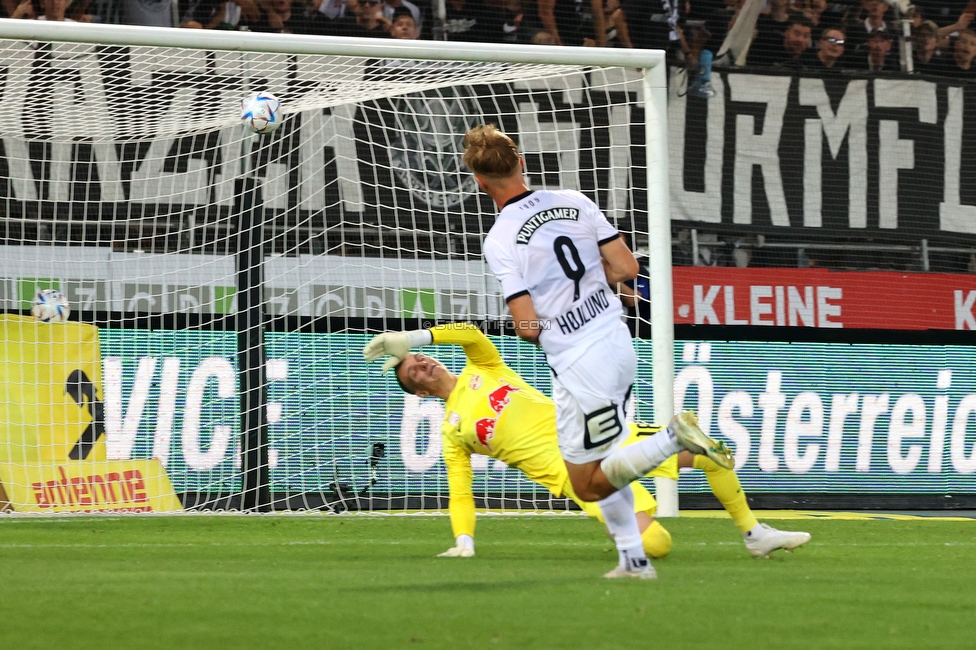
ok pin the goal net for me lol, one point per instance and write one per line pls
(222, 284)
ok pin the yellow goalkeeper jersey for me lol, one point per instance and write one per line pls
(493, 411)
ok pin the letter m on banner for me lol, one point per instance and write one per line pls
(851, 121)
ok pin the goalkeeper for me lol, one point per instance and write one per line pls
(491, 410)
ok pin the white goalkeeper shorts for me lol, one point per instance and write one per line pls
(591, 398)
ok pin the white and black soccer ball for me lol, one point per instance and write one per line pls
(50, 306)
(261, 112)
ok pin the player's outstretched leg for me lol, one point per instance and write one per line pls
(627, 464)
(760, 539)
(590, 396)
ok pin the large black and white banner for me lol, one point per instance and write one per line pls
(837, 153)
(116, 133)
(95, 132)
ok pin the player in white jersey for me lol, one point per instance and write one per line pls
(556, 257)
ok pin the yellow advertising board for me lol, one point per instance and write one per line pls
(98, 486)
(52, 427)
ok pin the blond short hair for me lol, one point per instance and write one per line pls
(490, 153)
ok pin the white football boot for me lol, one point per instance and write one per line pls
(763, 540)
(640, 568)
(684, 426)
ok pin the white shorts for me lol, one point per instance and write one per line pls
(591, 399)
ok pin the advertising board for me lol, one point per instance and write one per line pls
(54, 454)
(803, 417)
(824, 299)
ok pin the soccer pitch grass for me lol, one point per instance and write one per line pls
(373, 582)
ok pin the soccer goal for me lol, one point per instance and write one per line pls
(222, 284)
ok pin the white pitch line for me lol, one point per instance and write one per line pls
(329, 542)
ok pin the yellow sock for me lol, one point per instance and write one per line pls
(657, 540)
(725, 485)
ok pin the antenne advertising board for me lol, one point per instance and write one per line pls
(56, 436)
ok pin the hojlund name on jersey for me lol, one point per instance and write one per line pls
(591, 307)
(539, 219)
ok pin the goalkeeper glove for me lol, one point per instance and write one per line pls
(395, 344)
(463, 547)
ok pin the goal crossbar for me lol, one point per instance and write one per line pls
(326, 45)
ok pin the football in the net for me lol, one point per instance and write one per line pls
(50, 306)
(261, 112)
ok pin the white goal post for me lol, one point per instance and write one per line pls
(127, 182)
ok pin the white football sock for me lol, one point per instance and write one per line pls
(618, 513)
(627, 464)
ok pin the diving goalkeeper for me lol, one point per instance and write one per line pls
(491, 410)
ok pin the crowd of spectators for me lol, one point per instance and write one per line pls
(818, 37)
(814, 35)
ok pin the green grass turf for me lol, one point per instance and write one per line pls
(372, 582)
